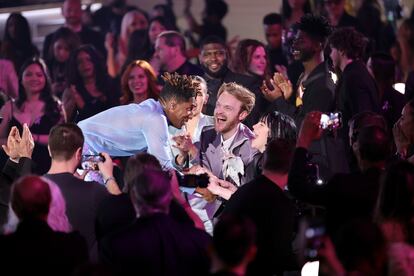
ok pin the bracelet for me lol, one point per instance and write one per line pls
(109, 179)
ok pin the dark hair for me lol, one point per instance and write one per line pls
(139, 47)
(317, 27)
(178, 87)
(136, 165)
(51, 107)
(365, 119)
(361, 241)
(64, 140)
(212, 39)
(216, 7)
(71, 39)
(374, 143)
(383, 68)
(280, 126)
(395, 198)
(151, 192)
(272, 19)
(23, 39)
(163, 21)
(101, 73)
(30, 197)
(168, 16)
(233, 237)
(278, 155)
(243, 55)
(173, 38)
(349, 41)
(287, 10)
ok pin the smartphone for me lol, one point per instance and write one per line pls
(90, 161)
(331, 121)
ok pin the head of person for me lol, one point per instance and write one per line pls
(166, 12)
(169, 46)
(72, 12)
(17, 31)
(214, 56)
(136, 165)
(30, 198)
(360, 246)
(405, 33)
(364, 119)
(406, 121)
(334, 8)
(273, 29)
(86, 63)
(56, 218)
(395, 199)
(151, 192)
(156, 26)
(34, 79)
(136, 19)
(313, 30)
(279, 155)
(346, 43)
(138, 79)
(201, 97)
(178, 98)
(290, 5)
(64, 41)
(234, 240)
(381, 66)
(234, 104)
(251, 58)
(271, 126)
(372, 145)
(66, 143)
(139, 46)
(215, 10)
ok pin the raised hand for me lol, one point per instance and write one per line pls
(12, 146)
(284, 84)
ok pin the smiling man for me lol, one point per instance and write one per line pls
(214, 58)
(128, 129)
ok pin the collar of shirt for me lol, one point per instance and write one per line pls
(225, 145)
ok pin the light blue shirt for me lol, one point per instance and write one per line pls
(128, 129)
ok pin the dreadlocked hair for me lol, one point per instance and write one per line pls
(179, 87)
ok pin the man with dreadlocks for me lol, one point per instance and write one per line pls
(128, 129)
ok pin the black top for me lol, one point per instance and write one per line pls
(116, 211)
(157, 245)
(35, 249)
(273, 213)
(345, 196)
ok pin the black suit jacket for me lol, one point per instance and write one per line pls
(273, 213)
(35, 249)
(157, 245)
(345, 196)
(11, 172)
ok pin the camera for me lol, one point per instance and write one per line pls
(331, 121)
(90, 161)
(193, 180)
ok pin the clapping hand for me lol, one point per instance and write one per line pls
(19, 146)
(281, 87)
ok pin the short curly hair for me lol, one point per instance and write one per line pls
(178, 87)
(349, 41)
(317, 27)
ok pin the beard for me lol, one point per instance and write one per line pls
(218, 74)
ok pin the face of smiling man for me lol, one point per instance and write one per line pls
(228, 114)
(213, 59)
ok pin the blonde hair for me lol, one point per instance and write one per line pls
(241, 93)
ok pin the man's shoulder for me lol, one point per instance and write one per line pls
(68, 179)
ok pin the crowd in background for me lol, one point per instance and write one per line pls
(249, 118)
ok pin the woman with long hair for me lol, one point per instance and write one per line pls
(90, 89)
(35, 107)
(138, 83)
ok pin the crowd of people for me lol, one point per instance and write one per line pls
(126, 152)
